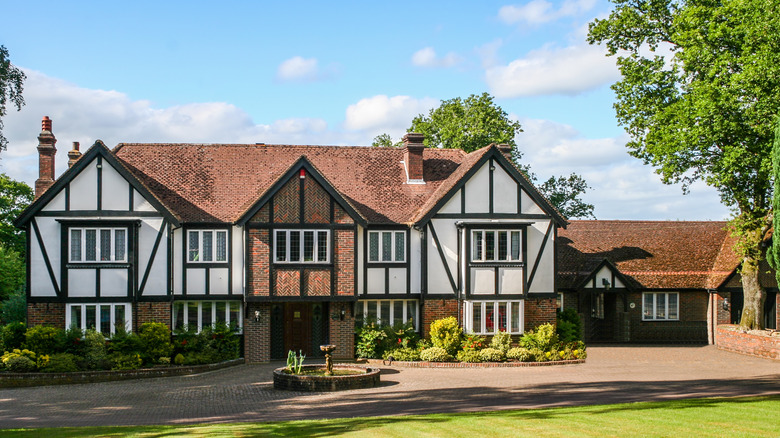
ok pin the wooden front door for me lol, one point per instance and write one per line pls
(297, 327)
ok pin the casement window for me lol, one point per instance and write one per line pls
(386, 246)
(388, 312)
(104, 318)
(199, 314)
(660, 306)
(597, 306)
(301, 246)
(98, 245)
(559, 302)
(490, 317)
(495, 245)
(204, 246)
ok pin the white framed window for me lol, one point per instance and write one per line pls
(559, 302)
(301, 246)
(388, 312)
(597, 306)
(97, 245)
(490, 317)
(496, 245)
(387, 246)
(102, 317)
(205, 246)
(188, 314)
(660, 306)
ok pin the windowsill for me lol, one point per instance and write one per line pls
(93, 265)
(660, 320)
(502, 264)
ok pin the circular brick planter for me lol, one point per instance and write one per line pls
(423, 364)
(368, 378)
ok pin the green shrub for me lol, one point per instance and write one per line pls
(569, 326)
(155, 341)
(520, 353)
(95, 356)
(60, 363)
(400, 336)
(124, 342)
(492, 355)
(469, 356)
(221, 342)
(403, 353)
(435, 354)
(501, 341)
(20, 364)
(179, 359)
(369, 340)
(120, 361)
(446, 334)
(73, 341)
(14, 308)
(535, 355)
(473, 342)
(13, 335)
(44, 339)
(543, 338)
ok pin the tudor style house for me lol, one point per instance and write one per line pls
(291, 244)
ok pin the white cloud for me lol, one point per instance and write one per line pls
(545, 71)
(381, 113)
(542, 11)
(427, 57)
(298, 68)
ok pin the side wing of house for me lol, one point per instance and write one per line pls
(491, 243)
(98, 244)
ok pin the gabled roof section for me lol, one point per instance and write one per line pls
(630, 283)
(97, 149)
(218, 183)
(311, 172)
(652, 254)
(470, 165)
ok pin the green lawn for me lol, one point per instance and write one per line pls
(748, 417)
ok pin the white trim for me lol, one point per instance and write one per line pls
(362, 306)
(479, 253)
(301, 233)
(83, 316)
(653, 315)
(394, 234)
(510, 306)
(213, 304)
(200, 251)
(82, 244)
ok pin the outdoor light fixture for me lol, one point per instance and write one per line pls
(605, 283)
(343, 314)
(725, 304)
(257, 315)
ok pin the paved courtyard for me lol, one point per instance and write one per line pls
(612, 374)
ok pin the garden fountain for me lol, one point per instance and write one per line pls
(328, 378)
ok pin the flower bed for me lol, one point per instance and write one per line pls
(759, 343)
(423, 364)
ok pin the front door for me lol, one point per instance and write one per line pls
(297, 327)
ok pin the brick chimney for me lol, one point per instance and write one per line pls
(413, 157)
(74, 154)
(506, 149)
(46, 152)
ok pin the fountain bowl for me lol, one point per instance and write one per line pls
(363, 377)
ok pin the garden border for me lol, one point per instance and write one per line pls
(424, 364)
(18, 380)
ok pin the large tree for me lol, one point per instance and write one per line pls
(11, 80)
(475, 122)
(15, 196)
(699, 93)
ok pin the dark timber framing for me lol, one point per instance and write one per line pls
(496, 265)
(386, 266)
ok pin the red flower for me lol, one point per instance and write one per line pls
(399, 340)
(184, 342)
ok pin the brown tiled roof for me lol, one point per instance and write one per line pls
(219, 182)
(651, 254)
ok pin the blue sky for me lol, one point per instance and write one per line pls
(328, 73)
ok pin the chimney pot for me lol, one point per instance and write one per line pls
(46, 124)
(74, 154)
(505, 149)
(413, 157)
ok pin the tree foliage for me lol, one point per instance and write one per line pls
(475, 122)
(699, 93)
(11, 87)
(773, 252)
(12, 272)
(15, 196)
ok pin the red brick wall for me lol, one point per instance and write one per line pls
(52, 314)
(691, 326)
(433, 309)
(287, 203)
(287, 283)
(344, 261)
(540, 311)
(754, 345)
(316, 203)
(259, 252)
(340, 216)
(151, 312)
(257, 334)
(316, 282)
(262, 215)
(342, 332)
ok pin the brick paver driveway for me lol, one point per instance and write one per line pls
(245, 393)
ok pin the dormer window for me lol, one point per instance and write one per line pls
(205, 246)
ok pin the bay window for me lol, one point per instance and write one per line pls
(495, 245)
(490, 317)
(205, 246)
(97, 245)
(386, 246)
(301, 246)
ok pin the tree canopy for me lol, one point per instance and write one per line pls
(475, 122)
(15, 196)
(11, 86)
(699, 93)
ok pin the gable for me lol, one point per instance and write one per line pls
(96, 184)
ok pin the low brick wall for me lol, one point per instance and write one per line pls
(422, 364)
(17, 380)
(367, 378)
(729, 339)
